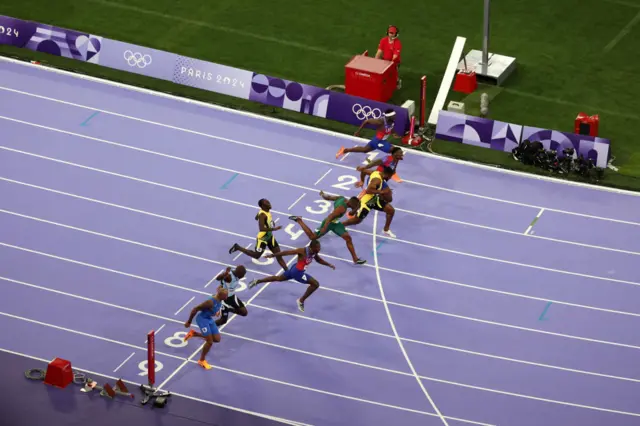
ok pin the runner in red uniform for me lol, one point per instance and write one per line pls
(385, 129)
(298, 271)
(390, 161)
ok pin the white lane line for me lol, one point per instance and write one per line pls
(184, 306)
(326, 392)
(394, 239)
(434, 345)
(276, 311)
(380, 404)
(533, 330)
(159, 329)
(215, 262)
(145, 340)
(533, 222)
(240, 253)
(283, 213)
(240, 410)
(329, 256)
(297, 201)
(81, 333)
(332, 257)
(101, 268)
(214, 278)
(220, 263)
(393, 326)
(124, 362)
(322, 177)
(276, 151)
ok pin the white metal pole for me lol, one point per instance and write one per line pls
(485, 40)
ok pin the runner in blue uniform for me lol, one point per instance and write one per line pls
(384, 129)
(298, 271)
(204, 314)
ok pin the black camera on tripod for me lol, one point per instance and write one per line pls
(533, 153)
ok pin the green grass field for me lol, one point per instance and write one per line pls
(573, 55)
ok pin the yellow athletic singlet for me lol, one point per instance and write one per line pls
(367, 197)
(270, 224)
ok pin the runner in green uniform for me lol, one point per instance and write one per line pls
(332, 222)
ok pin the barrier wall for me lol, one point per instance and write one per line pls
(477, 131)
(192, 72)
(502, 136)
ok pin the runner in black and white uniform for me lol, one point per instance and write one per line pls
(230, 280)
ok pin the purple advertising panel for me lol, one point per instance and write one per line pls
(287, 94)
(477, 131)
(588, 146)
(48, 39)
(354, 110)
(203, 75)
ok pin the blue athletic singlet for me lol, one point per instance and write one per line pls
(208, 314)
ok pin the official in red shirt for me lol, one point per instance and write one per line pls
(390, 47)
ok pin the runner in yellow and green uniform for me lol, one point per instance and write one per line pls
(377, 196)
(265, 238)
(332, 222)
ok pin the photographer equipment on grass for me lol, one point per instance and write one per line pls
(533, 153)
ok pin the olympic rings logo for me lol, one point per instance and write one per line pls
(365, 112)
(137, 59)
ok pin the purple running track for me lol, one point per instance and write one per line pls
(114, 226)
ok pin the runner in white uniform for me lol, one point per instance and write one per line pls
(230, 280)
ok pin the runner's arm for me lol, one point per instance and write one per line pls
(264, 226)
(370, 165)
(364, 172)
(224, 274)
(329, 197)
(298, 252)
(323, 262)
(371, 189)
(374, 121)
(207, 304)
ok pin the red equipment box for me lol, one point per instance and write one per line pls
(585, 125)
(59, 373)
(371, 78)
(466, 82)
